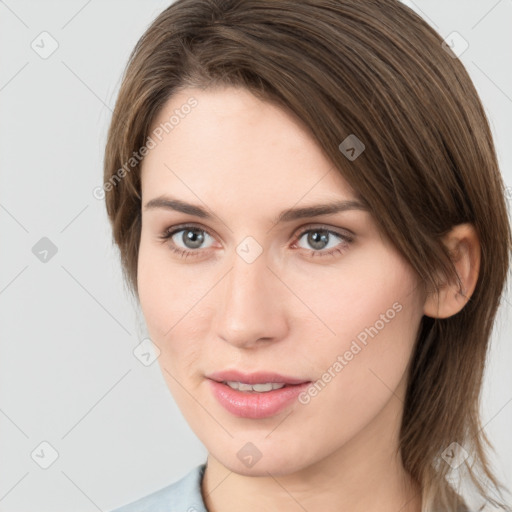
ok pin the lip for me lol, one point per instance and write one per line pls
(245, 404)
(255, 378)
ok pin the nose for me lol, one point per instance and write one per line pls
(251, 308)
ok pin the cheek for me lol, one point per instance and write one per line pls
(165, 291)
(154, 294)
(172, 302)
(374, 310)
(351, 296)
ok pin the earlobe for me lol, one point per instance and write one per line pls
(464, 247)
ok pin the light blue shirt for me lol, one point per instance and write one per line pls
(181, 496)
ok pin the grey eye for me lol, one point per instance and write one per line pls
(319, 239)
(191, 238)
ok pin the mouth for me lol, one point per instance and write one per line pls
(258, 395)
(255, 379)
(263, 387)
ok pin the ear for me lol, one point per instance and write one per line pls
(464, 247)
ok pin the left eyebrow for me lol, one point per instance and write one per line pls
(169, 203)
(320, 209)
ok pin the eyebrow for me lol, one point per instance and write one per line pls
(169, 203)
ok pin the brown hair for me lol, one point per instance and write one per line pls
(375, 69)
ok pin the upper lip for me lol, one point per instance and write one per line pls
(254, 378)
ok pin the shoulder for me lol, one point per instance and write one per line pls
(183, 495)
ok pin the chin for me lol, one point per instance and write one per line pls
(274, 463)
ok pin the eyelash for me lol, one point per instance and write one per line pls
(184, 253)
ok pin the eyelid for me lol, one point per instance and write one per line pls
(343, 232)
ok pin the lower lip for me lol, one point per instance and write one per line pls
(253, 404)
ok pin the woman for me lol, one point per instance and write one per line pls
(308, 207)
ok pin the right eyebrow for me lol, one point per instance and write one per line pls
(168, 203)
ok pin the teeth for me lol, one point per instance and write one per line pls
(259, 388)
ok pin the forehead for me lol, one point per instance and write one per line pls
(232, 144)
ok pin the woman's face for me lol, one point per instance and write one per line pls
(321, 298)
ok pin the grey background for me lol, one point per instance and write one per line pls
(68, 375)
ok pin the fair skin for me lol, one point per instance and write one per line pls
(288, 311)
